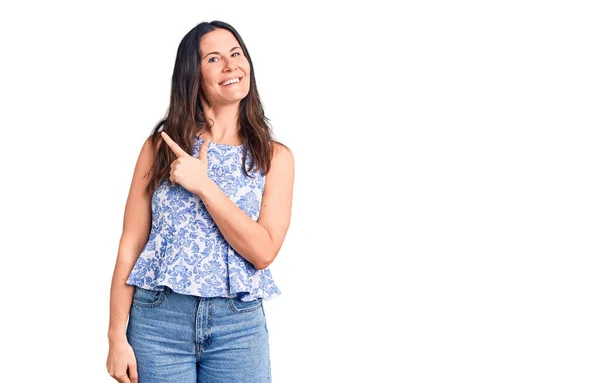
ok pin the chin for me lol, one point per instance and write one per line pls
(237, 97)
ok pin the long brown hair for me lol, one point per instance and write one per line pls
(185, 115)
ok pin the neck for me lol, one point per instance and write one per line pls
(225, 126)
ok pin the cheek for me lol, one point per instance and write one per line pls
(209, 86)
(209, 78)
(246, 67)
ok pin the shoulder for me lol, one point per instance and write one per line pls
(281, 170)
(147, 151)
(151, 146)
(282, 159)
(147, 156)
(281, 152)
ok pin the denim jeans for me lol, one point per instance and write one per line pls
(189, 339)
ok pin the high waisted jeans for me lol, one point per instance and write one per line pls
(189, 339)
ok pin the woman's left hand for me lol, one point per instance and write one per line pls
(188, 171)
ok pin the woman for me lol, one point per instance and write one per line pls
(207, 212)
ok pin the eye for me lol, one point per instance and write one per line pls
(214, 57)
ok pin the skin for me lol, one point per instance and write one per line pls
(257, 241)
(221, 103)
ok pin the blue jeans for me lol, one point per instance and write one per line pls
(189, 339)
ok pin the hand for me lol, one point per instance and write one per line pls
(121, 363)
(188, 171)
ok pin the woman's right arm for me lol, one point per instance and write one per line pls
(137, 223)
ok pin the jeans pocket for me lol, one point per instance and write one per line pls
(147, 298)
(239, 306)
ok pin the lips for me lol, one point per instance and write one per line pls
(239, 78)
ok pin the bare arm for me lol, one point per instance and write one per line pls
(258, 242)
(137, 222)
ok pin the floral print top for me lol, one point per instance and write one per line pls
(187, 252)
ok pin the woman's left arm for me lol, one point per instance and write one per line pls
(258, 242)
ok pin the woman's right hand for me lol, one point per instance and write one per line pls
(121, 363)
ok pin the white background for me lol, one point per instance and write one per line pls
(446, 202)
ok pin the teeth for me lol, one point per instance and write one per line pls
(231, 81)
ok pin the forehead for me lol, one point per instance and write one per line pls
(220, 40)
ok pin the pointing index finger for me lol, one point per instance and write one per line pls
(173, 145)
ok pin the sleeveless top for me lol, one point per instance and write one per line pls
(186, 250)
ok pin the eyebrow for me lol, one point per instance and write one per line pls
(218, 52)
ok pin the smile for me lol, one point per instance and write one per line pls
(233, 81)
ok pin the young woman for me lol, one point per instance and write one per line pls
(207, 212)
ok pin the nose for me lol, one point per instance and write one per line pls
(229, 66)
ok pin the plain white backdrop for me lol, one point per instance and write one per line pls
(446, 203)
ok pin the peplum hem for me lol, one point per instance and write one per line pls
(162, 264)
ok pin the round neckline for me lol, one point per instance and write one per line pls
(218, 144)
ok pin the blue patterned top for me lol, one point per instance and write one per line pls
(186, 250)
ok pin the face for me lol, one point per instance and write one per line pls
(222, 59)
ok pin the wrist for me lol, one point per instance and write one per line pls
(204, 187)
(116, 335)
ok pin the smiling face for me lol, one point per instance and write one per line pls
(222, 59)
